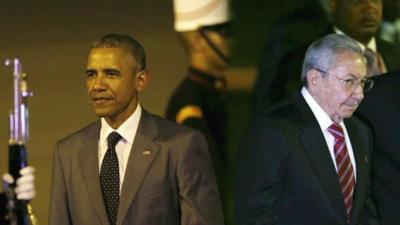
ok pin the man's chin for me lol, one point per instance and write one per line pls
(101, 112)
(349, 112)
(369, 30)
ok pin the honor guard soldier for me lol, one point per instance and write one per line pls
(198, 101)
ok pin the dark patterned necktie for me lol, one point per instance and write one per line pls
(109, 178)
(372, 62)
(344, 166)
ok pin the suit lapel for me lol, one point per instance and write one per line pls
(142, 155)
(318, 152)
(361, 159)
(88, 159)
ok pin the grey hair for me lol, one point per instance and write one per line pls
(125, 42)
(322, 53)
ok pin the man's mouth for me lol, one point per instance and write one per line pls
(354, 103)
(370, 21)
(100, 100)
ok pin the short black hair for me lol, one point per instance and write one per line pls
(131, 45)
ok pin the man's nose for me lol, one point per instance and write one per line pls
(358, 92)
(99, 83)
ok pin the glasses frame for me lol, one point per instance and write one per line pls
(351, 83)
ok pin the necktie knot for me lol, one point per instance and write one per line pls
(112, 139)
(336, 130)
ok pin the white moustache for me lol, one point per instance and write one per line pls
(353, 102)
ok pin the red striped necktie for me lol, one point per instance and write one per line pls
(344, 167)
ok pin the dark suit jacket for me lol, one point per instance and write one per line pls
(286, 174)
(287, 80)
(381, 109)
(169, 178)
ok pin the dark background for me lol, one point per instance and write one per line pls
(52, 38)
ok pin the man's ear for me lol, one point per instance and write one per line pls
(142, 79)
(313, 78)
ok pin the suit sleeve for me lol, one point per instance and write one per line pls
(370, 212)
(59, 214)
(261, 176)
(199, 198)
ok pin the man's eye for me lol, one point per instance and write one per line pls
(113, 73)
(349, 82)
(90, 74)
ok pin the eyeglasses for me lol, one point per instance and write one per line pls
(352, 83)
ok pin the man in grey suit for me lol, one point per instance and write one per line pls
(130, 167)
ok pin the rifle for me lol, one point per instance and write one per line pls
(19, 211)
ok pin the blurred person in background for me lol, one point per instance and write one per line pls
(359, 20)
(199, 101)
(390, 29)
(293, 30)
(381, 109)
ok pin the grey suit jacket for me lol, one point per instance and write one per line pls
(169, 178)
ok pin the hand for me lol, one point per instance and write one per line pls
(25, 188)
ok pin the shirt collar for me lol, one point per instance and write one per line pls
(371, 45)
(322, 117)
(125, 130)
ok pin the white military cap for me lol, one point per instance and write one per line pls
(192, 14)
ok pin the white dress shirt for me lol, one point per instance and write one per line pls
(123, 148)
(324, 122)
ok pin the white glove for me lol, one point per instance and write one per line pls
(25, 188)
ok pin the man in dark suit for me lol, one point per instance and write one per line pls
(307, 162)
(359, 20)
(381, 109)
(130, 167)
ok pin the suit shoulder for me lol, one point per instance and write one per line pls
(282, 111)
(279, 121)
(179, 139)
(76, 136)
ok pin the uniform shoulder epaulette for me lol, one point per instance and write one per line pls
(187, 112)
